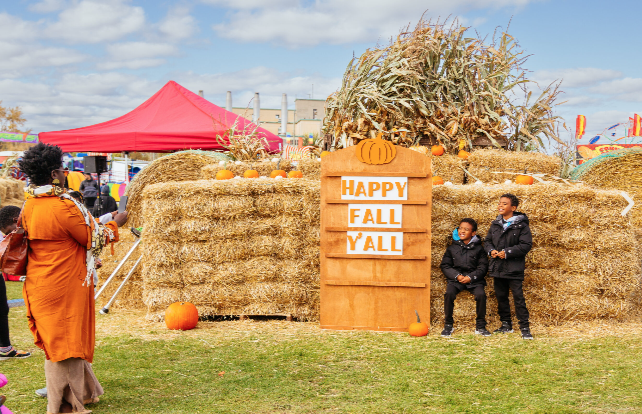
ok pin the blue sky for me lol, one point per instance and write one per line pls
(72, 63)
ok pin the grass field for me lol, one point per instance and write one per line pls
(289, 367)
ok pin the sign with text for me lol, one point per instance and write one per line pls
(375, 238)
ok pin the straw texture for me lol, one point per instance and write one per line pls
(12, 192)
(264, 167)
(233, 247)
(484, 163)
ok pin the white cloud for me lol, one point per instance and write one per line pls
(136, 55)
(16, 63)
(626, 89)
(47, 6)
(14, 28)
(294, 24)
(576, 77)
(93, 21)
(178, 24)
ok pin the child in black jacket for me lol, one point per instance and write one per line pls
(508, 241)
(465, 264)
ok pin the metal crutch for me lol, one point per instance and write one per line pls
(105, 310)
(117, 269)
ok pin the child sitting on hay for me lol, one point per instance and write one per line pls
(465, 265)
(508, 241)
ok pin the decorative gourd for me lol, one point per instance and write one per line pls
(251, 174)
(324, 153)
(376, 151)
(418, 328)
(463, 154)
(524, 179)
(181, 316)
(437, 180)
(224, 175)
(277, 173)
(295, 174)
(420, 149)
(437, 150)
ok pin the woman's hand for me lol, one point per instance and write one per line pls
(494, 253)
(120, 218)
(501, 255)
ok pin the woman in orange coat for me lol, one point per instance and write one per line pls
(64, 242)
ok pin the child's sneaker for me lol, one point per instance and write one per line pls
(448, 331)
(526, 333)
(14, 353)
(482, 332)
(504, 329)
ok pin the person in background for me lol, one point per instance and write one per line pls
(64, 242)
(8, 223)
(107, 202)
(508, 241)
(89, 190)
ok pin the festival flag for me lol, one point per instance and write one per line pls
(580, 126)
(637, 124)
(630, 130)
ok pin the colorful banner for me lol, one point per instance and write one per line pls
(586, 152)
(635, 128)
(18, 137)
(580, 126)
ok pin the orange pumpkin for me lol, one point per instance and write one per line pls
(524, 179)
(251, 174)
(376, 151)
(295, 174)
(437, 150)
(224, 175)
(418, 328)
(181, 316)
(463, 154)
(277, 173)
(324, 153)
(437, 180)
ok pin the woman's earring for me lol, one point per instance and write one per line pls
(55, 181)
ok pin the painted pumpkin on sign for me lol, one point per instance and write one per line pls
(418, 328)
(181, 316)
(224, 175)
(251, 174)
(376, 151)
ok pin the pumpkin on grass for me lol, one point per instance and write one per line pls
(437, 180)
(278, 173)
(295, 174)
(224, 175)
(418, 328)
(181, 316)
(437, 150)
(251, 174)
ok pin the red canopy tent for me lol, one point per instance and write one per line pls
(173, 119)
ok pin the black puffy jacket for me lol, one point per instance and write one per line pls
(467, 260)
(516, 241)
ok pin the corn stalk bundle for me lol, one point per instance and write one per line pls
(436, 82)
(244, 144)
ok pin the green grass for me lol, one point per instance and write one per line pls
(284, 367)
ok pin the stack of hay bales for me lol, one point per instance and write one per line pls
(263, 167)
(233, 247)
(583, 265)
(180, 166)
(621, 170)
(131, 296)
(448, 167)
(485, 164)
(310, 168)
(12, 192)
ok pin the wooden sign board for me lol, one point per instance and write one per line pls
(375, 241)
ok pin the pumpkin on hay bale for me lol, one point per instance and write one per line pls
(497, 166)
(264, 167)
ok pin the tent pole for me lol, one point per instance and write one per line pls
(127, 167)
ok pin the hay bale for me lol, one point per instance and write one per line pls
(264, 167)
(179, 166)
(12, 192)
(310, 168)
(448, 167)
(583, 265)
(233, 247)
(131, 297)
(617, 170)
(484, 164)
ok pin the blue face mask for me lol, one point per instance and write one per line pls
(456, 234)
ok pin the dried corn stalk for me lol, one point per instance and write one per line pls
(244, 144)
(430, 82)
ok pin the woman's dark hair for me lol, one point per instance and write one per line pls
(514, 201)
(39, 161)
(7, 214)
(470, 221)
(77, 196)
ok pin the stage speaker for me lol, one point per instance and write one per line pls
(96, 164)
